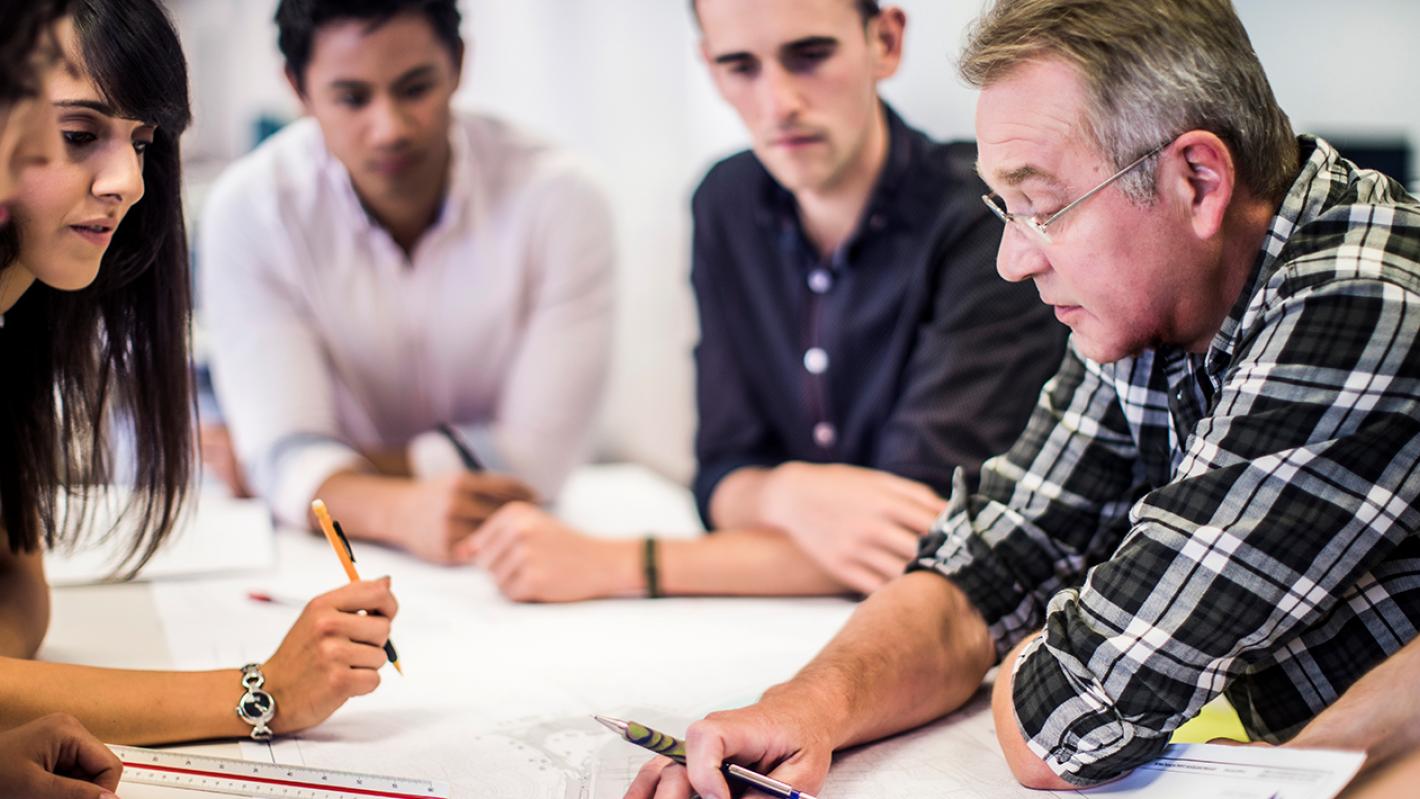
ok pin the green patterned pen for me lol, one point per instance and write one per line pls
(674, 748)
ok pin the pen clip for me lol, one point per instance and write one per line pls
(341, 533)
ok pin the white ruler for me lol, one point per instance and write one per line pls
(245, 778)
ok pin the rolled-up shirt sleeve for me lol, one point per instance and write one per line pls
(1055, 502)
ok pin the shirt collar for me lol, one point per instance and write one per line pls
(896, 193)
(1305, 201)
(896, 197)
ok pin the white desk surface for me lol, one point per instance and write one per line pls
(498, 695)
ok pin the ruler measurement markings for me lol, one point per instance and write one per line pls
(222, 775)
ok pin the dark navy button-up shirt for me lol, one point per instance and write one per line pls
(902, 351)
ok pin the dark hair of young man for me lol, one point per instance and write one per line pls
(868, 8)
(24, 20)
(297, 22)
(76, 363)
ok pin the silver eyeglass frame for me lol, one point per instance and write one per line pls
(1037, 228)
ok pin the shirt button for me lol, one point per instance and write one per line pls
(816, 361)
(820, 281)
(825, 435)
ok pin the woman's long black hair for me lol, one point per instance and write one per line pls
(74, 363)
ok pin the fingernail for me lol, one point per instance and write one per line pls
(107, 795)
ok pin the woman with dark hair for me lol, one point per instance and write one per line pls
(94, 296)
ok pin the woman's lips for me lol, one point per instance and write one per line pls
(98, 235)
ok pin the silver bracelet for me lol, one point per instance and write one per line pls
(257, 706)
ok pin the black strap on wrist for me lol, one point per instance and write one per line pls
(648, 568)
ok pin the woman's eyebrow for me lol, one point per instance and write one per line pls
(92, 105)
(95, 106)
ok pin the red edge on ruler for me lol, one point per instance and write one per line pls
(289, 783)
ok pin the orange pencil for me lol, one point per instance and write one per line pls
(341, 545)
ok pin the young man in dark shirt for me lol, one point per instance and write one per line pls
(857, 345)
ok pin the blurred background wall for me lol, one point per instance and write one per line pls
(620, 83)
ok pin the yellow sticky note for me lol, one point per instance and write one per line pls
(1218, 719)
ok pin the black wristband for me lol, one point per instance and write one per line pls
(648, 568)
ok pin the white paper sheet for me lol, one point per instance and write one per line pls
(1238, 772)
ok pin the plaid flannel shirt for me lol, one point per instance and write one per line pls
(1243, 520)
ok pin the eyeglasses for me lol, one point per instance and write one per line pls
(1036, 227)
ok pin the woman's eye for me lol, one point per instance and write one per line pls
(141, 147)
(79, 138)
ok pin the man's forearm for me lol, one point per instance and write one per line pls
(742, 562)
(1379, 713)
(737, 501)
(913, 651)
(362, 502)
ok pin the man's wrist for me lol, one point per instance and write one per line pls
(818, 700)
(767, 499)
(1354, 730)
(766, 494)
(737, 496)
(369, 505)
(625, 572)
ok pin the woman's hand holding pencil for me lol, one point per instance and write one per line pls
(334, 651)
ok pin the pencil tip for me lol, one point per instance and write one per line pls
(397, 667)
(615, 725)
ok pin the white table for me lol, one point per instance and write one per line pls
(498, 697)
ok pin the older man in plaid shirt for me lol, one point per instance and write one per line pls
(1218, 490)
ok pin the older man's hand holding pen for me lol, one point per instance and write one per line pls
(785, 736)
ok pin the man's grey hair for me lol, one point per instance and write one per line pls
(1153, 69)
